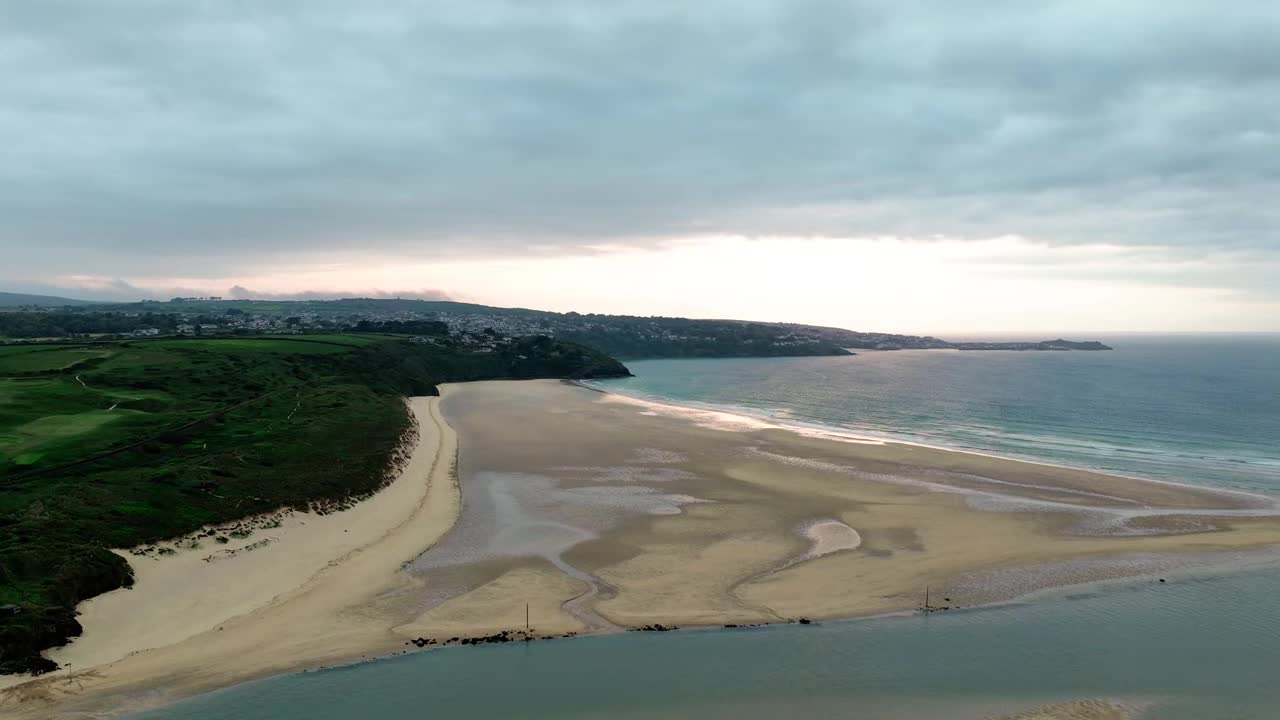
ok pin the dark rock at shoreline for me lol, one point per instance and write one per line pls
(656, 627)
(502, 636)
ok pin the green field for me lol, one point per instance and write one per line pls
(294, 344)
(355, 340)
(115, 445)
(34, 359)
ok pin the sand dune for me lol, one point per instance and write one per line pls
(194, 585)
(312, 596)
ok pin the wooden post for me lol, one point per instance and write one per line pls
(926, 597)
(526, 617)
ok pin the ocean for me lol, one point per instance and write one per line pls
(1199, 409)
(1195, 409)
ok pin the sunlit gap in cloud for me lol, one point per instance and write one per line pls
(936, 285)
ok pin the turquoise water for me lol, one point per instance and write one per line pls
(1203, 410)
(1197, 409)
(1199, 648)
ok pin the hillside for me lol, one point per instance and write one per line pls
(8, 300)
(118, 444)
(623, 336)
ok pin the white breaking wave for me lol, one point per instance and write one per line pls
(733, 421)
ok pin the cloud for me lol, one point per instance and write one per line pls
(227, 138)
(242, 293)
(95, 287)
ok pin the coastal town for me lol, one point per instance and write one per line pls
(619, 335)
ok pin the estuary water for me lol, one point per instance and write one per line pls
(1203, 645)
(1195, 648)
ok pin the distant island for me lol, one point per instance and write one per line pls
(621, 336)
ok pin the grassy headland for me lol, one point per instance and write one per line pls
(120, 444)
(623, 336)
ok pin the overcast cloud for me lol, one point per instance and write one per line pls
(228, 136)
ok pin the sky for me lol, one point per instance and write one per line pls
(939, 167)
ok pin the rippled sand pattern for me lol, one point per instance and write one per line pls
(694, 516)
(829, 536)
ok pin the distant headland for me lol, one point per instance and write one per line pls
(622, 336)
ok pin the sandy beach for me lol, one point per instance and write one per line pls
(310, 596)
(592, 512)
(1079, 710)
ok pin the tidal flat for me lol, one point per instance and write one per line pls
(605, 512)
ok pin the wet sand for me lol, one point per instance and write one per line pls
(690, 517)
(1079, 710)
(588, 512)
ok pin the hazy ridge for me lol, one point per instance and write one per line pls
(623, 336)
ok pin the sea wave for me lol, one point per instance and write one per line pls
(740, 419)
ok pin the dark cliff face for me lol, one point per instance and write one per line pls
(544, 357)
(415, 368)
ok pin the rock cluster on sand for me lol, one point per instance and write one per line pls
(502, 636)
(795, 621)
(656, 627)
